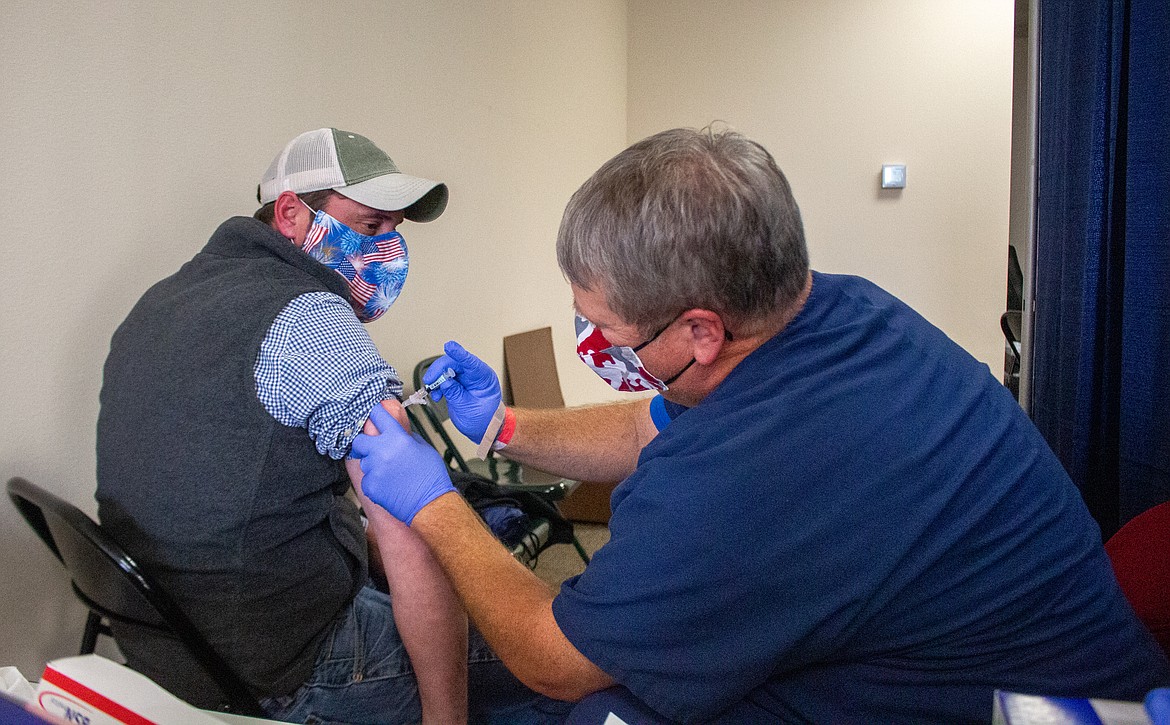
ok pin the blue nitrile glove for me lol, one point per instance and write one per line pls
(400, 472)
(1158, 706)
(474, 394)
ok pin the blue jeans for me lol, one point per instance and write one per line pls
(363, 675)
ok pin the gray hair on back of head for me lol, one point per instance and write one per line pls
(687, 219)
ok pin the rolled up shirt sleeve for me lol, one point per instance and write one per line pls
(318, 369)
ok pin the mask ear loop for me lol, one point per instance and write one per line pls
(726, 335)
(316, 231)
(655, 335)
(676, 376)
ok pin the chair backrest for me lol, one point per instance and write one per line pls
(1140, 553)
(1010, 323)
(111, 583)
(435, 413)
(1015, 286)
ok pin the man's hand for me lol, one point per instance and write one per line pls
(474, 394)
(400, 472)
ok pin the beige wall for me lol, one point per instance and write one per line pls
(132, 129)
(836, 89)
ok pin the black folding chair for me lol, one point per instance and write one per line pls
(1011, 323)
(508, 474)
(114, 588)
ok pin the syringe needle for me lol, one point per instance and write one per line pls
(422, 395)
(418, 396)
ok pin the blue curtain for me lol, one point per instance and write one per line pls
(1101, 345)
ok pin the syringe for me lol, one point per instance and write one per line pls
(423, 394)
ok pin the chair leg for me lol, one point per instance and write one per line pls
(93, 627)
(580, 549)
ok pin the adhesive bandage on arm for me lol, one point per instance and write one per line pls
(492, 431)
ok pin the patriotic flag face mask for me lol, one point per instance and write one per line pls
(618, 365)
(374, 267)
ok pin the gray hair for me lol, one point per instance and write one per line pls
(687, 219)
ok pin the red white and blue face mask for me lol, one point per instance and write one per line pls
(374, 267)
(618, 365)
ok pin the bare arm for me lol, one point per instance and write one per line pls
(593, 443)
(430, 620)
(507, 602)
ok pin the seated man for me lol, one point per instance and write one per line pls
(830, 513)
(231, 395)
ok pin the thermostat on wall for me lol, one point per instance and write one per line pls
(893, 176)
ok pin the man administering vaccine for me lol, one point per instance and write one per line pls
(829, 512)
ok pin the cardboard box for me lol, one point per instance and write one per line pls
(589, 503)
(531, 381)
(91, 690)
(1012, 708)
(530, 370)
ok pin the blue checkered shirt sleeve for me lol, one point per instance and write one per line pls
(318, 369)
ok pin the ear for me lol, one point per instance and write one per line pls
(290, 217)
(708, 335)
